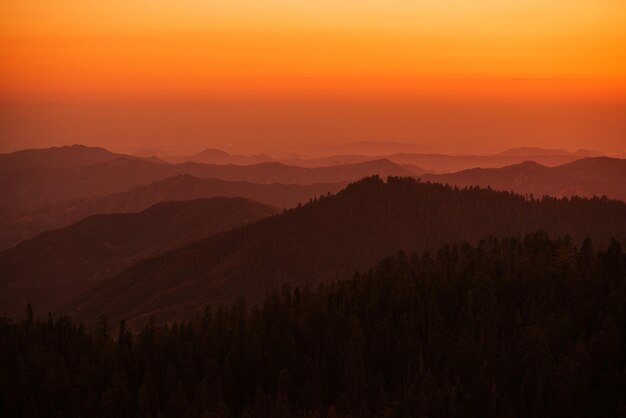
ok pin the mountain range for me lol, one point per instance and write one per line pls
(56, 266)
(26, 189)
(52, 188)
(404, 154)
(334, 236)
(587, 177)
(526, 151)
(178, 187)
(441, 163)
(69, 156)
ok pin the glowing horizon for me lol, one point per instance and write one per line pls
(541, 73)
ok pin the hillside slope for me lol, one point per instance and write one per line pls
(334, 236)
(23, 190)
(55, 266)
(180, 187)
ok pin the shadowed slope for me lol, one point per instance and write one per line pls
(179, 187)
(55, 266)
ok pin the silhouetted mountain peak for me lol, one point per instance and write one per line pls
(56, 157)
(587, 177)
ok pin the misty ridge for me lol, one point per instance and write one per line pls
(66, 191)
(52, 188)
(357, 276)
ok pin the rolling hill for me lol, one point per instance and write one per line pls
(332, 237)
(55, 266)
(178, 187)
(23, 190)
(444, 163)
(585, 177)
(526, 151)
(68, 156)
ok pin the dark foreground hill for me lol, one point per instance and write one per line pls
(180, 187)
(335, 236)
(600, 176)
(55, 266)
(509, 328)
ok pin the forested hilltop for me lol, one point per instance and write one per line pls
(331, 237)
(507, 328)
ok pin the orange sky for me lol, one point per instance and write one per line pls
(359, 52)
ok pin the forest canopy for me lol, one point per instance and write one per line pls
(514, 327)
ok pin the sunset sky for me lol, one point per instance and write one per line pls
(456, 75)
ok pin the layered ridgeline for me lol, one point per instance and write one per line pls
(586, 177)
(216, 156)
(508, 328)
(180, 187)
(332, 237)
(56, 266)
(69, 156)
(443, 163)
(405, 154)
(25, 189)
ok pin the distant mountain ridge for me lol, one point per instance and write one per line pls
(333, 237)
(55, 175)
(444, 163)
(26, 189)
(69, 156)
(216, 156)
(178, 187)
(55, 266)
(441, 163)
(586, 177)
(528, 151)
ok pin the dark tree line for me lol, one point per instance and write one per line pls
(526, 327)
